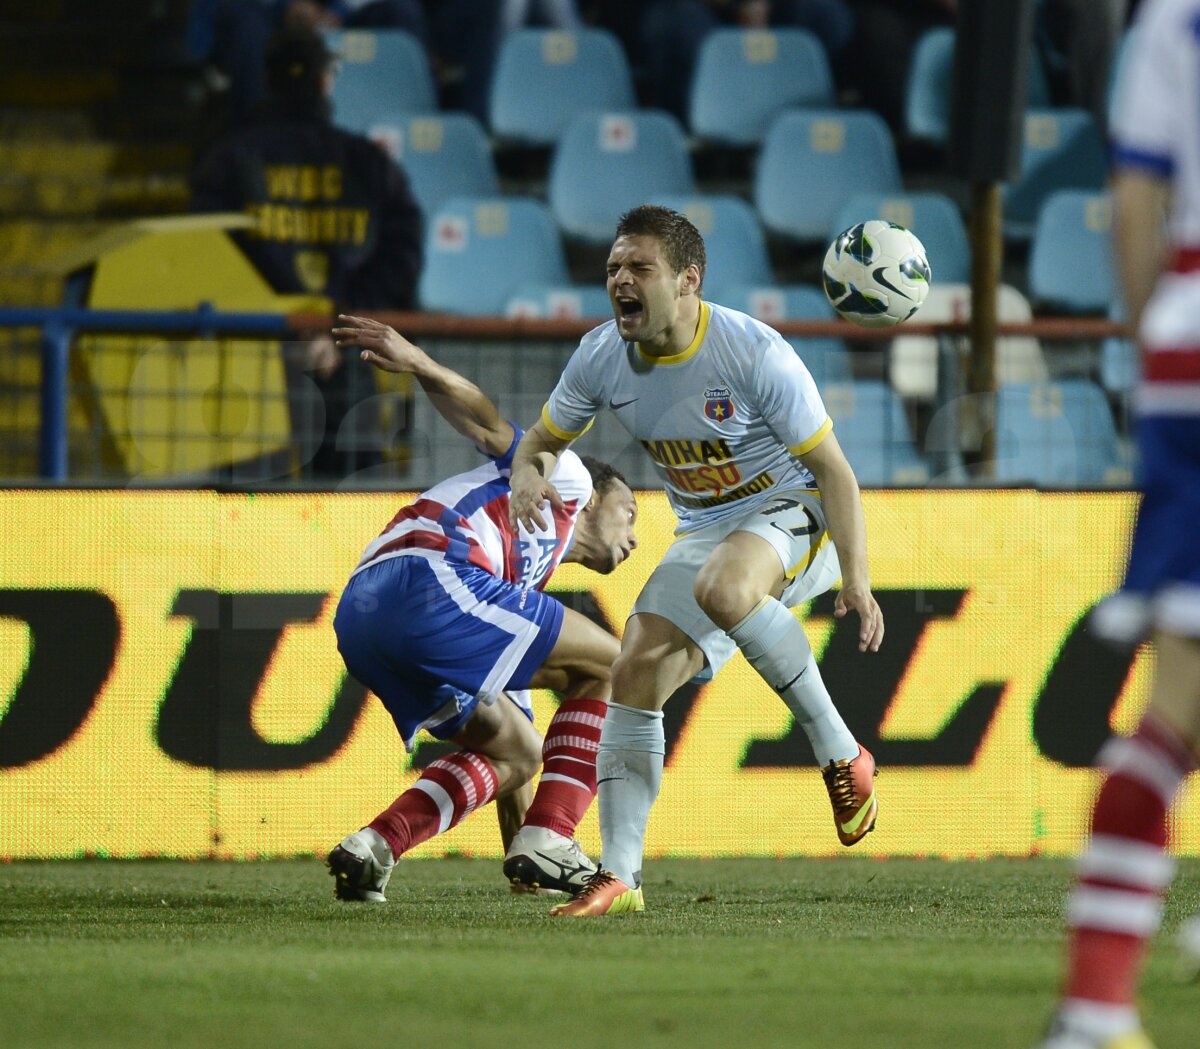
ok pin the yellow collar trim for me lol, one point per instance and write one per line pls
(693, 347)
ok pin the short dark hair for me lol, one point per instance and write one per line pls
(604, 475)
(296, 60)
(680, 239)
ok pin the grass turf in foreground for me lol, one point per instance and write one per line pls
(800, 953)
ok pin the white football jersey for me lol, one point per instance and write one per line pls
(1156, 130)
(723, 421)
(1156, 119)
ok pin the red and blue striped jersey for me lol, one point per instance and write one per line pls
(465, 519)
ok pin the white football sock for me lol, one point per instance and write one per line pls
(774, 643)
(1099, 1021)
(628, 774)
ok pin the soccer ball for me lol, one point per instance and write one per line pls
(876, 274)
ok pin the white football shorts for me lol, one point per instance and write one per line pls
(793, 522)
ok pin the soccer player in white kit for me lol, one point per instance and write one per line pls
(1115, 906)
(735, 423)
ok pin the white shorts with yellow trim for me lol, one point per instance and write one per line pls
(793, 522)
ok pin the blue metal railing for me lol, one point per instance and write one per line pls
(60, 326)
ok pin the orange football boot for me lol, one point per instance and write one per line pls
(851, 787)
(604, 893)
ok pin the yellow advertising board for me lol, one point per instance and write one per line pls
(170, 683)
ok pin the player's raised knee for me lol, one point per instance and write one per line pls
(725, 600)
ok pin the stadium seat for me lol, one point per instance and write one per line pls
(1062, 149)
(382, 72)
(744, 77)
(444, 155)
(1056, 433)
(813, 161)
(1070, 260)
(545, 77)
(606, 163)
(827, 359)
(561, 301)
(734, 243)
(930, 78)
(933, 217)
(1120, 363)
(913, 359)
(480, 250)
(872, 428)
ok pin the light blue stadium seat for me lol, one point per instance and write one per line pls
(480, 250)
(872, 428)
(827, 359)
(1070, 260)
(607, 163)
(543, 78)
(933, 217)
(813, 161)
(561, 301)
(1062, 149)
(444, 155)
(744, 77)
(1120, 360)
(1056, 433)
(930, 82)
(382, 72)
(734, 243)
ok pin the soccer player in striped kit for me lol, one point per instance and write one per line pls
(1115, 906)
(760, 485)
(444, 619)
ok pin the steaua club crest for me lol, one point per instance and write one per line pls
(718, 404)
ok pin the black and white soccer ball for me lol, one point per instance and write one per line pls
(876, 274)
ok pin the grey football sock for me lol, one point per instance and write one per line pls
(774, 643)
(628, 774)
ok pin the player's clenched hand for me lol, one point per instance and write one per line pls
(381, 346)
(530, 490)
(870, 617)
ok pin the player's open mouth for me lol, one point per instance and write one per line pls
(630, 309)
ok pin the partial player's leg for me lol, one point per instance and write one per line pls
(499, 756)
(1115, 907)
(544, 854)
(656, 659)
(783, 545)
(438, 643)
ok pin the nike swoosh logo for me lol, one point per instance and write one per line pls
(879, 279)
(852, 825)
(609, 779)
(616, 406)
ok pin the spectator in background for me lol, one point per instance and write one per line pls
(663, 37)
(888, 31)
(334, 216)
(460, 36)
(1079, 41)
(234, 34)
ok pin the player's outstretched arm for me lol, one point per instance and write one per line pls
(847, 528)
(458, 400)
(533, 462)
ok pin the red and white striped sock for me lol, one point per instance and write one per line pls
(568, 781)
(449, 790)
(1116, 903)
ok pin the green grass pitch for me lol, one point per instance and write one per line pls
(895, 954)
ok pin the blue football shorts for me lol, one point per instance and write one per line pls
(1162, 579)
(1164, 563)
(432, 639)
